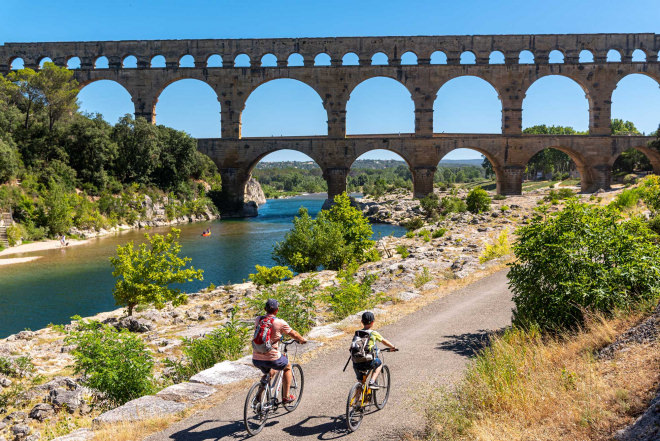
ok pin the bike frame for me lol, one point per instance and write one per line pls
(275, 383)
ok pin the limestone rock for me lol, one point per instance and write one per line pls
(21, 431)
(5, 382)
(186, 392)
(134, 324)
(15, 417)
(225, 373)
(42, 411)
(140, 409)
(71, 400)
(254, 192)
(646, 427)
(325, 331)
(77, 435)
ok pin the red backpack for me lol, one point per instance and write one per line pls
(261, 340)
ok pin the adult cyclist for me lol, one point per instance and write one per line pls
(273, 360)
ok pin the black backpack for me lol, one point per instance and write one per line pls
(359, 347)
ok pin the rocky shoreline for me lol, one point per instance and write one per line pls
(411, 267)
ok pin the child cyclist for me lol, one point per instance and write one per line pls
(361, 368)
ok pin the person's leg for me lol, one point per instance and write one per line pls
(286, 381)
(378, 365)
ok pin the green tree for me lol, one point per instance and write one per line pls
(28, 95)
(477, 200)
(621, 127)
(338, 236)
(145, 273)
(91, 150)
(117, 364)
(177, 158)
(60, 92)
(138, 149)
(583, 258)
(10, 161)
(430, 204)
(57, 210)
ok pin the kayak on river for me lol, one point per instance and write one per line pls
(206, 233)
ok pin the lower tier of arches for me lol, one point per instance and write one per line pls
(509, 156)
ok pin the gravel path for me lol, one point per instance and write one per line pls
(435, 343)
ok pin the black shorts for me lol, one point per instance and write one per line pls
(267, 365)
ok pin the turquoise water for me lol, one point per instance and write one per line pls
(78, 280)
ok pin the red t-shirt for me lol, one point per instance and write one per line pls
(279, 327)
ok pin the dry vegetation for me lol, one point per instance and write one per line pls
(528, 387)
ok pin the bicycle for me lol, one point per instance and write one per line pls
(264, 396)
(362, 396)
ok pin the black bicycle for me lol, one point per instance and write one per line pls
(361, 396)
(264, 396)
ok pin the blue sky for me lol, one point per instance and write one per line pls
(286, 107)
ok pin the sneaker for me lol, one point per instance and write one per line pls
(373, 385)
(290, 399)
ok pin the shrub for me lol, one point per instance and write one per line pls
(627, 199)
(267, 276)
(477, 200)
(146, 273)
(410, 234)
(582, 258)
(18, 367)
(339, 235)
(499, 248)
(650, 190)
(351, 296)
(14, 234)
(424, 234)
(226, 343)
(429, 204)
(373, 255)
(116, 363)
(423, 277)
(504, 208)
(499, 197)
(296, 303)
(439, 232)
(403, 251)
(629, 179)
(452, 204)
(414, 223)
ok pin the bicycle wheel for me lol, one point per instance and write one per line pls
(297, 386)
(254, 415)
(381, 394)
(354, 409)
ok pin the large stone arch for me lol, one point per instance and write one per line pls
(264, 81)
(492, 157)
(589, 179)
(576, 79)
(96, 81)
(653, 155)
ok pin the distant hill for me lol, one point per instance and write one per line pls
(373, 164)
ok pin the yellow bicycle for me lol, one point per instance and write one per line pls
(362, 397)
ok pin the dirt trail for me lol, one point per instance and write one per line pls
(435, 345)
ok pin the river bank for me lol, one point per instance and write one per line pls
(411, 268)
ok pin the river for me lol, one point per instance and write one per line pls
(78, 280)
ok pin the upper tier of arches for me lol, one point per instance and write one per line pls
(570, 49)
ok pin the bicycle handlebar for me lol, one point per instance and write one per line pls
(390, 350)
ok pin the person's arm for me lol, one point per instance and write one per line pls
(387, 343)
(297, 337)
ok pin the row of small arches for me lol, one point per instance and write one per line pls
(349, 59)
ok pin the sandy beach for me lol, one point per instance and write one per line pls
(36, 246)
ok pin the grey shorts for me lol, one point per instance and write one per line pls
(267, 365)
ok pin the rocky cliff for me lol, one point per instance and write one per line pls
(254, 192)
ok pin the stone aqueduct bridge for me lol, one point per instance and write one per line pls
(509, 151)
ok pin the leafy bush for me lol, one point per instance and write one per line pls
(267, 276)
(650, 190)
(339, 235)
(423, 277)
(146, 273)
(629, 179)
(403, 251)
(499, 248)
(296, 303)
(499, 197)
(504, 208)
(116, 363)
(477, 200)
(429, 204)
(582, 258)
(373, 255)
(439, 232)
(18, 367)
(226, 343)
(410, 234)
(452, 204)
(627, 199)
(414, 223)
(351, 296)
(424, 234)
(14, 234)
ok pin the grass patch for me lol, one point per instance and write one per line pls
(499, 248)
(526, 386)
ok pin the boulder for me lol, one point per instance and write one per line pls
(77, 435)
(71, 400)
(254, 192)
(225, 372)
(21, 431)
(5, 382)
(59, 382)
(15, 417)
(186, 392)
(134, 324)
(42, 411)
(143, 408)
(325, 331)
